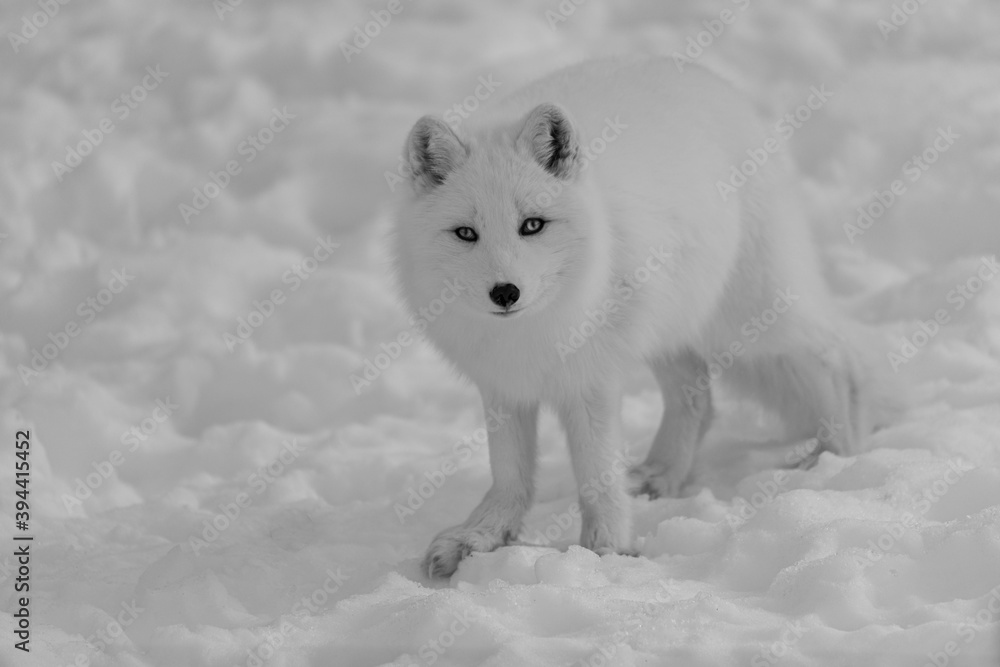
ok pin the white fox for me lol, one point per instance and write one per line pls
(584, 218)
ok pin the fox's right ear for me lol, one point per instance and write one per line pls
(433, 151)
(552, 139)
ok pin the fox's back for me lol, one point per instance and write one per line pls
(643, 122)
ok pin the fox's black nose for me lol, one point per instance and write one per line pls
(504, 294)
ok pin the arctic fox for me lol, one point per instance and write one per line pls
(589, 221)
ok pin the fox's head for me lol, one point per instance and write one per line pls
(504, 213)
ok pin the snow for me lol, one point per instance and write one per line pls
(147, 429)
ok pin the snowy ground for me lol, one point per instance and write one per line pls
(201, 499)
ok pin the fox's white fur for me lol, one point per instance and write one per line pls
(644, 191)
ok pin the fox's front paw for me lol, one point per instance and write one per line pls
(606, 551)
(607, 535)
(805, 455)
(454, 544)
(656, 480)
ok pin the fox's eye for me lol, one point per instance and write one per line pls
(531, 226)
(467, 234)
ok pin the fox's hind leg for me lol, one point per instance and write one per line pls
(687, 413)
(816, 390)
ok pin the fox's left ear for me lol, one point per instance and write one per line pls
(433, 151)
(551, 138)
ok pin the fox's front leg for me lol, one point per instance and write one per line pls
(593, 431)
(497, 519)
